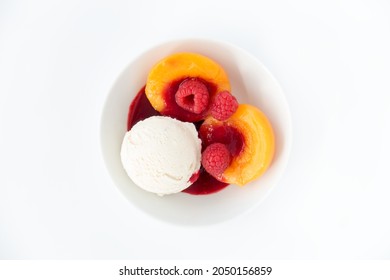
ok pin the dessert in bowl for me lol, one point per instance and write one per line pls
(258, 126)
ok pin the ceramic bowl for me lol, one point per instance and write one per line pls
(251, 83)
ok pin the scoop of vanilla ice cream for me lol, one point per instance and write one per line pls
(160, 154)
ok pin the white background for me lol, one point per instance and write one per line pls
(58, 60)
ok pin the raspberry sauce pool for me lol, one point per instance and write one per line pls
(140, 109)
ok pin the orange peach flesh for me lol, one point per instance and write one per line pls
(258, 149)
(180, 66)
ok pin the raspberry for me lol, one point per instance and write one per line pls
(215, 159)
(224, 106)
(192, 96)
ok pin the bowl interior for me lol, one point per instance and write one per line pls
(251, 83)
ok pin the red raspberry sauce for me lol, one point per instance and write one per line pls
(206, 184)
(141, 109)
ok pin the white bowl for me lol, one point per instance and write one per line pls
(251, 83)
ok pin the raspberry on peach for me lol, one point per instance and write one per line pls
(223, 106)
(192, 95)
(215, 159)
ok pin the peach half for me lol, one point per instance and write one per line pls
(166, 76)
(249, 136)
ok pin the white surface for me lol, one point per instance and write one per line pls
(160, 154)
(59, 59)
(250, 82)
